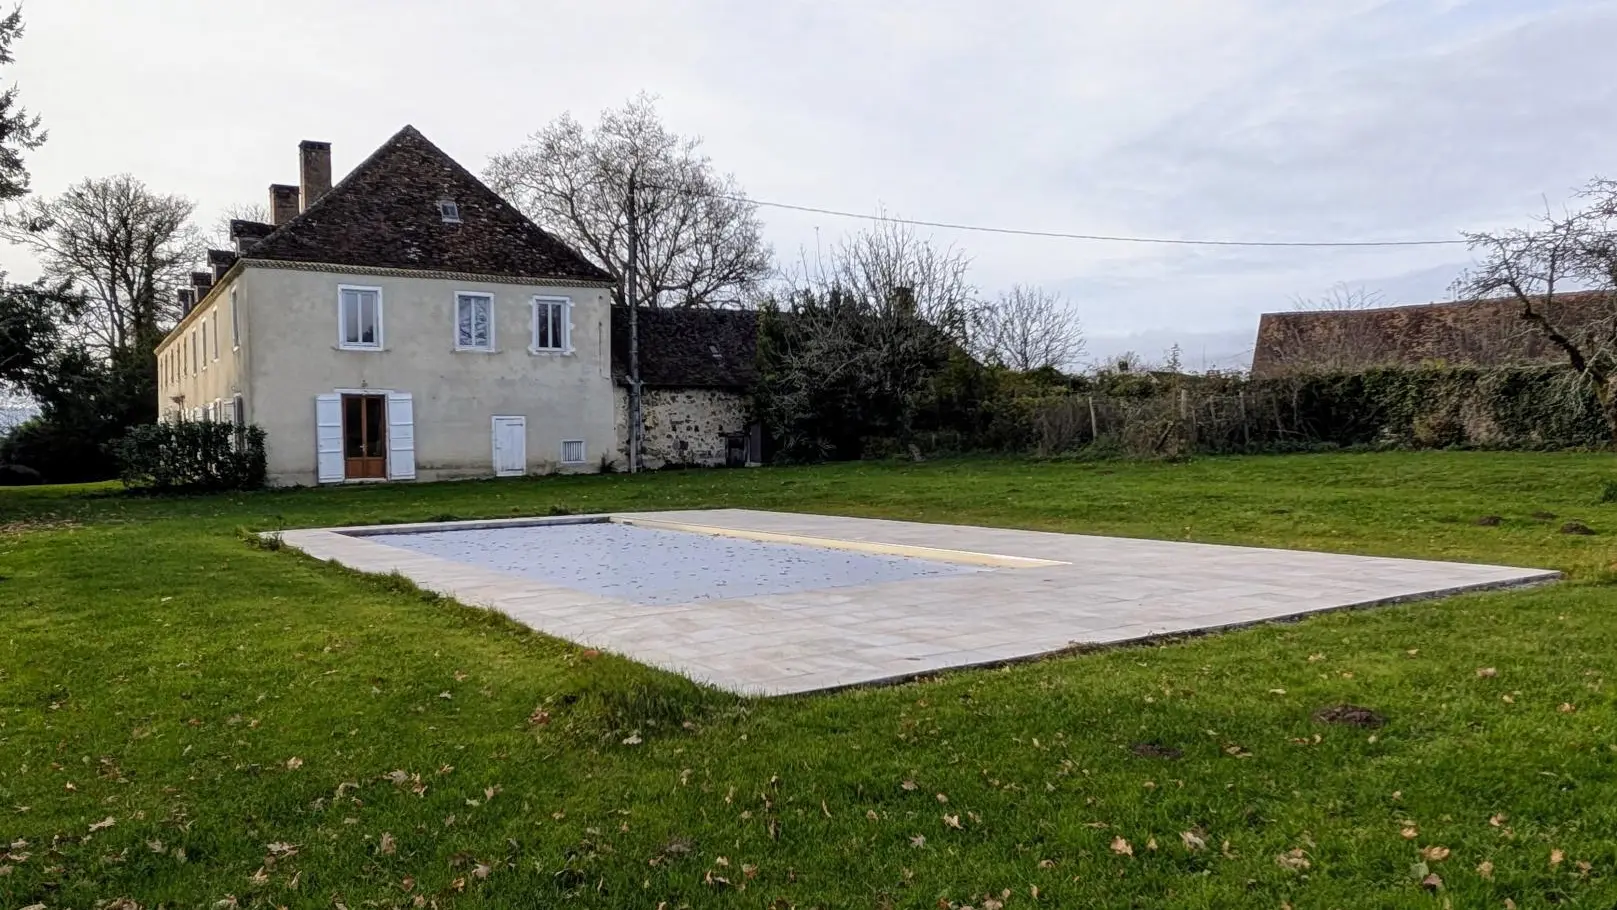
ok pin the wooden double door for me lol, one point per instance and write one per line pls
(364, 436)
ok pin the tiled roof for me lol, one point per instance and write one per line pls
(385, 214)
(689, 347)
(1468, 332)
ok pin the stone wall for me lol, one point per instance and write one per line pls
(683, 426)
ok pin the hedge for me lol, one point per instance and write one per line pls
(191, 456)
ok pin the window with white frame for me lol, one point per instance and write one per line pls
(215, 333)
(235, 321)
(550, 318)
(572, 451)
(359, 318)
(202, 326)
(196, 357)
(474, 322)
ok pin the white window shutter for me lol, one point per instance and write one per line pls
(328, 437)
(400, 436)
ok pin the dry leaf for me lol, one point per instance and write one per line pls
(1432, 882)
(1410, 833)
(481, 870)
(1193, 841)
(1434, 854)
(908, 785)
(104, 824)
(294, 763)
(388, 845)
(1485, 869)
(1567, 708)
(952, 821)
(1122, 847)
(1487, 672)
(1497, 819)
(918, 840)
(1556, 857)
(1150, 843)
(1293, 859)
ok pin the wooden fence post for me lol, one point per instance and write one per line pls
(1094, 428)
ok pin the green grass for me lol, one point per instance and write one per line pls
(220, 701)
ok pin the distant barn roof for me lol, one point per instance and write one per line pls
(689, 347)
(1462, 333)
(385, 214)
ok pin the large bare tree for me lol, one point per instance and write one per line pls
(701, 243)
(219, 235)
(889, 264)
(1537, 267)
(1029, 328)
(122, 246)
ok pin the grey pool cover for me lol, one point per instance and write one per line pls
(650, 566)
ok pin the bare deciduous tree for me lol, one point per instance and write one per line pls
(219, 234)
(1028, 328)
(701, 243)
(890, 264)
(124, 247)
(1537, 267)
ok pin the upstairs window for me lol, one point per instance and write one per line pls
(449, 211)
(215, 333)
(235, 321)
(550, 329)
(359, 318)
(474, 322)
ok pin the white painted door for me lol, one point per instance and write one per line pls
(510, 446)
(400, 436)
(328, 437)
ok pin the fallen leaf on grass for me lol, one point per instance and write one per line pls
(1485, 869)
(103, 824)
(1497, 819)
(1122, 847)
(1567, 708)
(294, 763)
(1432, 882)
(481, 871)
(918, 840)
(388, 846)
(1410, 833)
(1434, 854)
(908, 785)
(1293, 859)
(1193, 841)
(1487, 672)
(633, 739)
(952, 821)
(1556, 858)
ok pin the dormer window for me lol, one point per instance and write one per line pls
(449, 210)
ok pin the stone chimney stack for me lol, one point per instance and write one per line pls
(314, 170)
(283, 203)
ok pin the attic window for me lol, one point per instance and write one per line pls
(449, 210)
(714, 350)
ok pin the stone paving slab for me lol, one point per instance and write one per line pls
(1042, 593)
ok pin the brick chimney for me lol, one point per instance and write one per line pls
(314, 170)
(283, 203)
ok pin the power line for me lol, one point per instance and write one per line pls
(1112, 238)
(1072, 235)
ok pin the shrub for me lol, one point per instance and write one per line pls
(19, 475)
(191, 456)
(1608, 493)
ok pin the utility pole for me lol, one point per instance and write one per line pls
(629, 295)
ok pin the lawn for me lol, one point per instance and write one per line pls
(188, 720)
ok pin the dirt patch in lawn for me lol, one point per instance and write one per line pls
(1350, 715)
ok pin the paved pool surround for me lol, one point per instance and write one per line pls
(815, 602)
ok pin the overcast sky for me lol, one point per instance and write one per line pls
(1240, 119)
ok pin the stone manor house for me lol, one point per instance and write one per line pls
(408, 323)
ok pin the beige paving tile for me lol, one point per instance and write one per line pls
(1105, 590)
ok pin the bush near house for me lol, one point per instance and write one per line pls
(191, 456)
